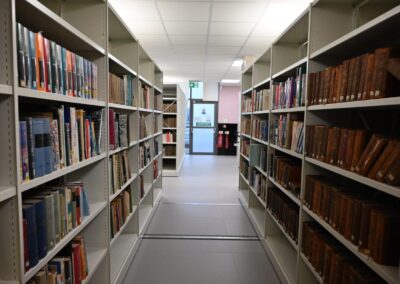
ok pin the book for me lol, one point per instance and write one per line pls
(22, 80)
(29, 214)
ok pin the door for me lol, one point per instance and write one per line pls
(203, 127)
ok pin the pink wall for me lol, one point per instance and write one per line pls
(228, 107)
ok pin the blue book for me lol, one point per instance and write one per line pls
(85, 203)
(29, 214)
(64, 69)
(24, 150)
(41, 225)
(37, 130)
(48, 152)
(33, 59)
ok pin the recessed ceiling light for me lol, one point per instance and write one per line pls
(237, 63)
(230, 81)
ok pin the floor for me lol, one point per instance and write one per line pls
(199, 233)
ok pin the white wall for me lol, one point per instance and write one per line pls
(210, 91)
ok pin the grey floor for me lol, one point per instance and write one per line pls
(200, 233)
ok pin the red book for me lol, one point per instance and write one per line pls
(77, 262)
(40, 67)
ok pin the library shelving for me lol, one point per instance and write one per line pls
(173, 138)
(278, 162)
(113, 84)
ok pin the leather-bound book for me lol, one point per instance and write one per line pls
(360, 141)
(368, 76)
(379, 76)
(365, 165)
(349, 150)
(387, 152)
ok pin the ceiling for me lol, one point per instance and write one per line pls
(199, 40)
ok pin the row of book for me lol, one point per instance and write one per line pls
(118, 129)
(285, 211)
(56, 138)
(288, 132)
(260, 128)
(245, 148)
(69, 266)
(121, 89)
(259, 183)
(158, 105)
(144, 96)
(290, 93)
(120, 171)
(287, 172)
(169, 150)
(144, 155)
(49, 214)
(120, 209)
(377, 157)
(369, 76)
(246, 125)
(45, 66)
(258, 156)
(169, 121)
(170, 107)
(169, 137)
(261, 100)
(244, 168)
(144, 130)
(331, 260)
(247, 104)
(359, 214)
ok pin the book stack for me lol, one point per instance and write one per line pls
(57, 138)
(260, 128)
(369, 76)
(360, 216)
(287, 172)
(261, 100)
(144, 95)
(247, 104)
(48, 216)
(69, 266)
(259, 183)
(44, 65)
(258, 156)
(120, 209)
(290, 93)
(170, 107)
(169, 122)
(244, 168)
(169, 150)
(121, 89)
(246, 125)
(168, 137)
(331, 260)
(377, 157)
(144, 155)
(245, 148)
(143, 129)
(287, 132)
(118, 129)
(155, 169)
(120, 171)
(285, 211)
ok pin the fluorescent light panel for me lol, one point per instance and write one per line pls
(237, 63)
(230, 81)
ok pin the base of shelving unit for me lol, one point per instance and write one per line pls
(170, 173)
(94, 257)
(259, 219)
(144, 216)
(157, 192)
(244, 196)
(121, 255)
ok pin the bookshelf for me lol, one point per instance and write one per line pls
(174, 124)
(104, 40)
(324, 35)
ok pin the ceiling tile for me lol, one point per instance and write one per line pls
(231, 29)
(237, 12)
(184, 11)
(186, 28)
(190, 49)
(137, 10)
(188, 40)
(146, 27)
(223, 50)
(226, 40)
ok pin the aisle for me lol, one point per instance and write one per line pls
(200, 233)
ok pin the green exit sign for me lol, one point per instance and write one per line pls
(194, 85)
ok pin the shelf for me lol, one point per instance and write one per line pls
(122, 107)
(245, 135)
(144, 215)
(287, 151)
(258, 197)
(95, 209)
(158, 111)
(7, 192)
(169, 143)
(245, 179)
(260, 141)
(128, 182)
(158, 133)
(94, 257)
(259, 219)
(261, 112)
(261, 171)
(149, 110)
(157, 192)
(158, 176)
(34, 94)
(246, 91)
(246, 113)
(121, 64)
(157, 89)
(145, 167)
(290, 68)
(43, 179)
(245, 157)
(169, 157)
(263, 82)
(389, 189)
(290, 240)
(6, 89)
(122, 228)
(157, 156)
(120, 149)
(121, 254)
(285, 191)
(55, 26)
(146, 138)
(388, 273)
(286, 110)
(170, 113)
(312, 269)
(147, 189)
(376, 103)
(144, 80)
(169, 99)
(169, 128)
